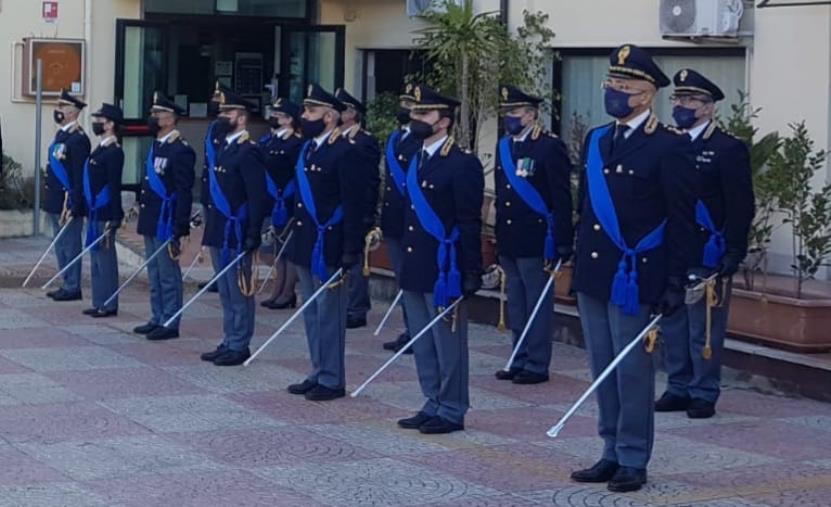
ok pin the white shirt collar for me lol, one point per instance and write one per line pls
(108, 141)
(695, 132)
(405, 131)
(319, 140)
(636, 122)
(524, 135)
(433, 148)
(233, 137)
(166, 137)
(281, 132)
(69, 126)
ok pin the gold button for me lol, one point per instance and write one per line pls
(386, 203)
(299, 223)
(409, 249)
(597, 227)
(299, 204)
(330, 227)
(644, 260)
(631, 172)
(411, 228)
(388, 189)
(412, 207)
(619, 169)
(595, 255)
(507, 204)
(508, 186)
(142, 205)
(605, 171)
(508, 221)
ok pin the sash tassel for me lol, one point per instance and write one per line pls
(716, 247)
(94, 204)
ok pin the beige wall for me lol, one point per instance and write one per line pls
(22, 18)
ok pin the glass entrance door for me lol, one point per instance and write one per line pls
(311, 55)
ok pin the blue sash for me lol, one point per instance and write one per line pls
(449, 282)
(164, 225)
(265, 139)
(396, 171)
(318, 253)
(210, 150)
(528, 194)
(279, 213)
(60, 172)
(94, 203)
(625, 293)
(715, 248)
(234, 222)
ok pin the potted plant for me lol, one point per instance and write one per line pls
(16, 197)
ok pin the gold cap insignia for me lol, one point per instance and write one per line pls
(409, 88)
(221, 97)
(622, 55)
(683, 75)
(155, 97)
(504, 93)
(417, 93)
(309, 90)
(278, 102)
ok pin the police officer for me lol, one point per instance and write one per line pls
(102, 194)
(442, 259)
(724, 213)
(399, 149)
(164, 214)
(633, 244)
(328, 234)
(64, 197)
(367, 160)
(239, 204)
(533, 226)
(282, 147)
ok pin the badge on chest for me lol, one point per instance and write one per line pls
(60, 151)
(160, 165)
(525, 167)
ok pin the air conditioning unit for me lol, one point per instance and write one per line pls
(421, 7)
(700, 18)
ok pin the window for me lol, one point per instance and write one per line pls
(581, 73)
(269, 8)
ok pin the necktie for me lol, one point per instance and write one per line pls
(620, 135)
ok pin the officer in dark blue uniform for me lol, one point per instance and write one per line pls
(239, 204)
(724, 213)
(399, 149)
(633, 249)
(282, 147)
(533, 226)
(102, 194)
(64, 196)
(164, 214)
(328, 234)
(368, 158)
(442, 259)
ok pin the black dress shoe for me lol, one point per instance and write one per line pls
(267, 303)
(163, 333)
(669, 402)
(210, 356)
(100, 314)
(303, 387)
(396, 344)
(291, 303)
(212, 288)
(53, 293)
(507, 375)
(602, 471)
(414, 422)
(90, 311)
(146, 328)
(701, 409)
(528, 377)
(355, 322)
(323, 393)
(438, 425)
(232, 357)
(67, 296)
(627, 479)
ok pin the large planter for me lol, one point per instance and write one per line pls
(800, 325)
(562, 287)
(16, 223)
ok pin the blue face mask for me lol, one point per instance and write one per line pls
(684, 117)
(513, 125)
(617, 103)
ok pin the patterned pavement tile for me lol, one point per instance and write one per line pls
(768, 406)
(583, 496)
(815, 422)
(254, 378)
(56, 422)
(528, 423)
(373, 482)
(125, 457)
(17, 319)
(407, 395)
(156, 354)
(50, 495)
(7, 366)
(19, 468)
(499, 500)
(75, 358)
(124, 383)
(384, 439)
(39, 337)
(189, 413)
(33, 389)
(818, 497)
(559, 389)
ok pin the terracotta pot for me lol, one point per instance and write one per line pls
(780, 321)
(562, 287)
(489, 255)
(380, 258)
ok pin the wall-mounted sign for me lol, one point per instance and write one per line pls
(63, 66)
(49, 11)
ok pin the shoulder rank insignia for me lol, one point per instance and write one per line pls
(535, 134)
(174, 136)
(333, 138)
(243, 137)
(448, 145)
(651, 124)
(711, 128)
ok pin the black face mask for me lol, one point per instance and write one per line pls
(98, 128)
(153, 125)
(223, 127)
(274, 123)
(421, 130)
(58, 116)
(403, 116)
(312, 128)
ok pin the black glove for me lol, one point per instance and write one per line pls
(181, 230)
(671, 301)
(252, 243)
(348, 261)
(728, 266)
(471, 283)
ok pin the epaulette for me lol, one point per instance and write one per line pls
(174, 136)
(448, 145)
(711, 129)
(75, 128)
(245, 136)
(353, 133)
(651, 125)
(333, 138)
(537, 132)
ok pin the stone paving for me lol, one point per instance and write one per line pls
(92, 415)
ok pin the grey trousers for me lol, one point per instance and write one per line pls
(237, 309)
(626, 399)
(104, 273)
(165, 284)
(358, 286)
(325, 320)
(66, 249)
(396, 253)
(441, 357)
(684, 337)
(526, 278)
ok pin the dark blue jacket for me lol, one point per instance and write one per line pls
(333, 183)
(368, 160)
(520, 231)
(240, 172)
(453, 183)
(392, 211)
(204, 187)
(106, 163)
(651, 178)
(726, 188)
(174, 162)
(280, 158)
(73, 148)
